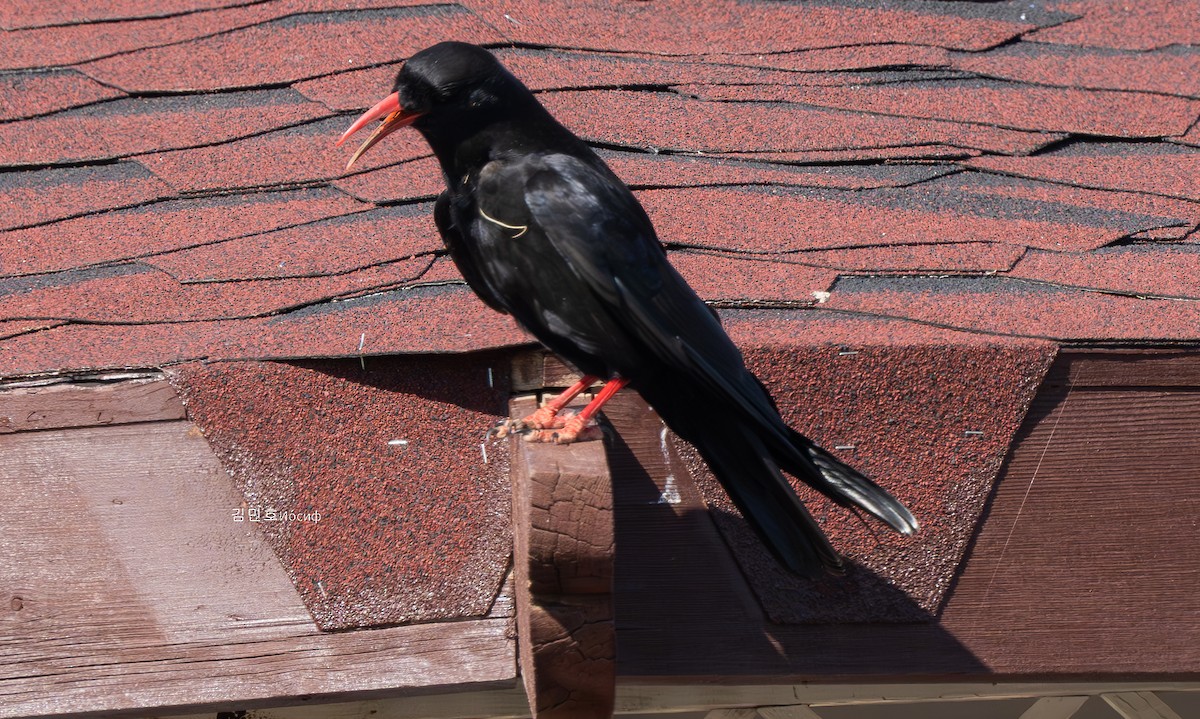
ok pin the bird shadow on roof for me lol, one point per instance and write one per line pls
(682, 599)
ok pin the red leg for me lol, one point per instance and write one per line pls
(574, 428)
(545, 416)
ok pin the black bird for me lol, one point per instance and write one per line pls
(543, 230)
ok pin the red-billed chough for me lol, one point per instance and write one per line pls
(543, 230)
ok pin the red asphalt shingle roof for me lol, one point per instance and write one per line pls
(970, 175)
(950, 408)
(394, 544)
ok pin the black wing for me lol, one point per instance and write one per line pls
(601, 231)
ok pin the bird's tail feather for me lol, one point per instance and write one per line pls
(747, 444)
(798, 456)
(752, 479)
(847, 486)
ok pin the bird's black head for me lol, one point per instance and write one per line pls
(452, 78)
(450, 92)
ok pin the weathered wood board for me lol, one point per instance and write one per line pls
(145, 398)
(563, 559)
(127, 583)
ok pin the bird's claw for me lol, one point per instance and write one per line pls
(549, 428)
(574, 429)
(543, 419)
(504, 429)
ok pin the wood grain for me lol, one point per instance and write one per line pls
(492, 703)
(86, 404)
(537, 369)
(634, 698)
(1054, 708)
(1140, 705)
(563, 555)
(127, 584)
(1089, 555)
(1122, 368)
(795, 711)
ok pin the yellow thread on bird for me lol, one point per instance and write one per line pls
(523, 228)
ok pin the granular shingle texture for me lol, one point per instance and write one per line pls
(40, 196)
(1170, 71)
(680, 27)
(18, 14)
(312, 44)
(961, 186)
(130, 126)
(305, 250)
(164, 226)
(28, 94)
(1126, 26)
(991, 102)
(707, 124)
(1163, 169)
(385, 509)
(289, 156)
(931, 421)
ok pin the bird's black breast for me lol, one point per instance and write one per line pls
(463, 254)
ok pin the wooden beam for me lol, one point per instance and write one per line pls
(795, 711)
(98, 402)
(528, 370)
(511, 703)
(1054, 708)
(1123, 368)
(537, 369)
(653, 698)
(563, 559)
(1139, 705)
(491, 703)
(746, 713)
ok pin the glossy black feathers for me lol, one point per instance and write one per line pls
(543, 230)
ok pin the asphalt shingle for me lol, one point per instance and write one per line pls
(993, 178)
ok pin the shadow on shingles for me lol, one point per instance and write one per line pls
(458, 379)
(862, 594)
(1051, 395)
(683, 603)
(858, 595)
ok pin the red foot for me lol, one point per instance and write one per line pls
(575, 429)
(544, 425)
(544, 418)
